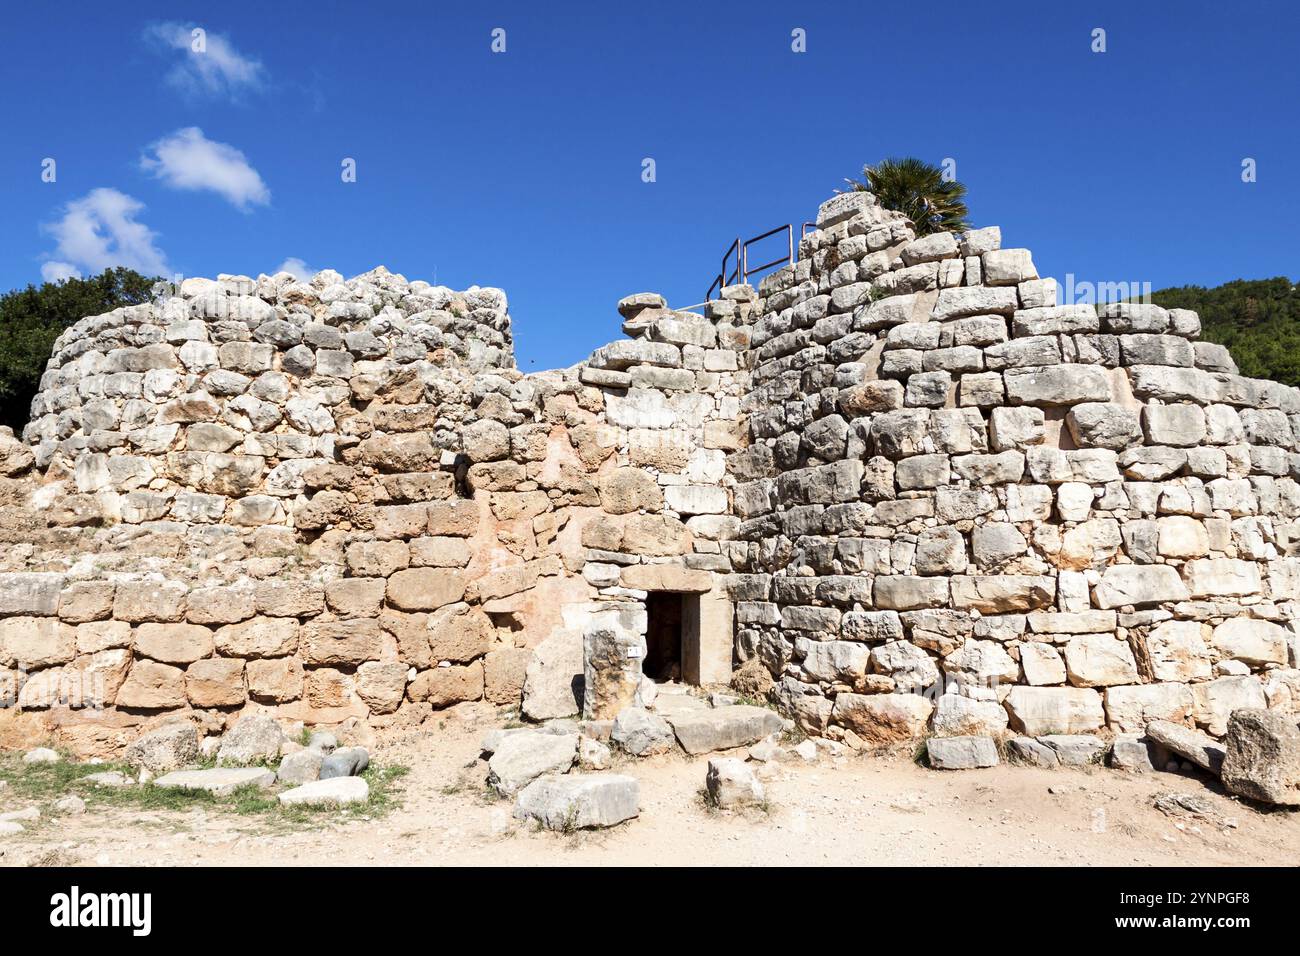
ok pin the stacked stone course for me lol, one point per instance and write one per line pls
(341, 501)
(909, 492)
(969, 507)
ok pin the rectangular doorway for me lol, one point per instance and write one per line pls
(666, 619)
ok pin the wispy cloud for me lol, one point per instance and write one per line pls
(297, 268)
(189, 160)
(98, 231)
(210, 65)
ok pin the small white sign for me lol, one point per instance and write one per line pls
(633, 651)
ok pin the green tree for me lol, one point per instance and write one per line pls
(1257, 319)
(32, 318)
(917, 190)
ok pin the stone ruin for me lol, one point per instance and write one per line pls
(896, 491)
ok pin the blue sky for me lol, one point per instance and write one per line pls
(523, 169)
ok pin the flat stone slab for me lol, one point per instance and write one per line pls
(335, 790)
(1201, 749)
(218, 781)
(522, 758)
(723, 728)
(109, 778)
(1074, 750)
(1030, 753)
(961, 753)
(579, 801)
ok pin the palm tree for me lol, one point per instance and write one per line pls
(919, 191)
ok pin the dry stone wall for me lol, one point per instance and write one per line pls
(969, 508)
(903, 489)
(340, 501)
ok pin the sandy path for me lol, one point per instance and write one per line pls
(856, 810)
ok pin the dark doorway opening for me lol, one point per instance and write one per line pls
(663, 657)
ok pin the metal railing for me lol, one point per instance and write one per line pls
(738, 271)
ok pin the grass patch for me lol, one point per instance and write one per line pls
(39, 783)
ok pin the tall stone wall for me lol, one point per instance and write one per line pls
(967, 506)
(341, 501)
(902, 489)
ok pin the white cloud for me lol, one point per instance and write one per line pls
(189, 160)
(297, 268)
(210, 65)
(58, 271)
(99, 231)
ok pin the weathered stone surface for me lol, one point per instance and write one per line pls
(723, 728)
(170, 747)
(553, 680)
(883, 718)
(254, 738)
(335, 791)
(301, 766)
(1252, 641)
(1139, 585)
(1262, 759)
(961, 753)
(730, 782)
(1206, 752)
(1104, 425)
(218, 781)
(1056, 385)
(152, 686)
(1054, 710)
(1075, 750)
(1130, 708)
(642, 733)
(425, 589)
(1099, 660)
(579, 801)
(959, 716)
(522, 758)
(1029, 752)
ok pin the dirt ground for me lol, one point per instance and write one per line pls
(870, 810)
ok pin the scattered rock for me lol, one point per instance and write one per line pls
(1262, 761)
(7, 827)
(26, 815)
(304, 766)
(1201, 749)
(170, 747)
(961, 753)
(642, 733)
(522, 758)
(731, 782)
(805, 750)
(109, 778)
(579, 801)
(337, 790)
(219, 781)
(766, 750)
(322, 741)
(345, 762)
(41, 755)
(593, 755)
(254, 738)
(71, 804)
(1135, 753)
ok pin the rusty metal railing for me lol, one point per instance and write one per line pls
(740, 270)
